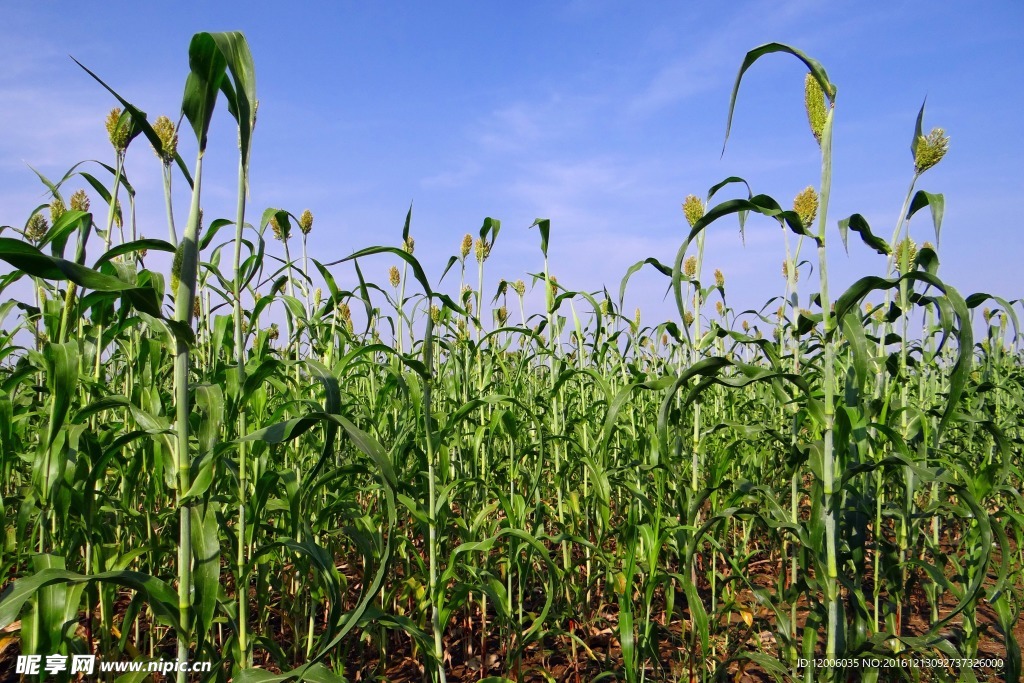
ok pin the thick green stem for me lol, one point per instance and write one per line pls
(792, 298)
(110, 228)
(436, 595)
(243, 449)
(698, 303)
(183, 304)
(172, 233)
(72, 290)
(836, 626)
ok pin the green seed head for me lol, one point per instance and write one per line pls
(688, 318)
(906, 252)
(119, 132)
(806, 205)
(346, 315)
(930, 150)
(520, 287)
(467, 246)
(409, 245)
(306, 222)
(435, 313)
(164, 129)
(274, 332)
(554, 285)
(394, 277)
(281, 233)
(746, 326)
(80, 201)
(502, 315)
(36, 227)
(987, 313)
(719, 278)
(693, 209)
(179, 257)
(690, 267)
(719, 307)
(57, 209)
(814, 103)
(318, 295)
(482, 250)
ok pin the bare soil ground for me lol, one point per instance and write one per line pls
(593, 650)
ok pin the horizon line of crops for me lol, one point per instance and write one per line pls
(503, 486)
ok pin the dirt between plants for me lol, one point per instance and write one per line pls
(593, 649)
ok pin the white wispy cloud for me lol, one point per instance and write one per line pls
(709, 57)
(523, 127)
(460, 176)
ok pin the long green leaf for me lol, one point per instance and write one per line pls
(207, 69)
(816, 69)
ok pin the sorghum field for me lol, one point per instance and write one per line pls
(235, 459)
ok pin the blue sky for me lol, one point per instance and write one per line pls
(601, 116)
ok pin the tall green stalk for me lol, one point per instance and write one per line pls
(243, 446)
(436, 590)
(202, 89)
(836, 625)
(118, 138)
(188, 262)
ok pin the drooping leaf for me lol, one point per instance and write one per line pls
(936, 203)
(161, 598)
(859, 225)
(816, 69)
(25, 257)
(140, 121)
